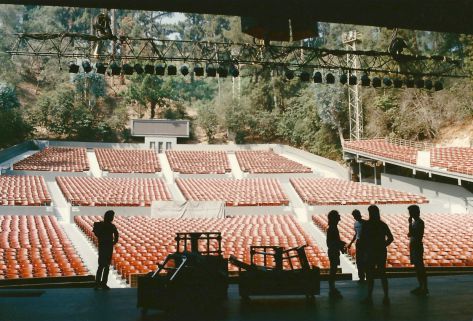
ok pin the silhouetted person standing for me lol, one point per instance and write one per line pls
(416, 247)
(376, 236)
(360, 251)
(335, 246)
(107, 236)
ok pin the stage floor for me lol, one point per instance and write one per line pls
(450, 300)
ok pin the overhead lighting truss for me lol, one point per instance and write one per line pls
(73, 45)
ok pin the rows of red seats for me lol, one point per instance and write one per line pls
(90, 191)
(60, 159)
(23, 190)
(36, 246)
(384, 148)
(332, 191)
(234, 192)
(199, 162)
(127, 160)
(268, 162)
(454, 159)
(448, 240)
(146, 241)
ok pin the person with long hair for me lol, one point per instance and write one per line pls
(335, 246)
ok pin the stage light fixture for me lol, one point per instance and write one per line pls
(100, 68)
(376, 82)
(115, 68)
(198, 70)
(438, 85)
(387, 82)
(184, 70)
(149, 69)
(352, 80)
(160, 69)
(397, 83)
(365, 80)
(73, 67)
(330, 78)
(172, 70)
(234, 71)
(409, 83)
(304, 76)
(317, 77)
(127, 69)
(419, 83)
(428, 84)
(222, 71)
(289, 74)
(210, 71)
(86, 66)
(343, 79)
(138, 69)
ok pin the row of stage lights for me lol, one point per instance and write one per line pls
(212, 71)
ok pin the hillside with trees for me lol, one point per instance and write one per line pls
(40, 99)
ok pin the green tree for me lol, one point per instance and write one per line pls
(13, 128)
(207, 118)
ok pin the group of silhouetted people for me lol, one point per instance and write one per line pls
(372, 238)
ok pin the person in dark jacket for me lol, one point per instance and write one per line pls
(360, 252)
(107, 236)
(335, 246)
(416, 247)
(376, 237)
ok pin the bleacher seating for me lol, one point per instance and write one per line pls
(36, 246)
(454, 159)
(268, 162)
(235, 192)
(448, 240)
(198, 162)
(58, 159)
(332, 191)
(90, 191)
(23, 190)
(384, 148)
(146, 241)
(127, 160)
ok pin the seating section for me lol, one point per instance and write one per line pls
(268, 162)
(146, 241)
(454, 159)
(199, 162)
(36, 246)
(332, 191)
(235, 192)
(89, 191)
(127, 160)
(383, 148)
(448, 240)
(57, 159)
(23, 190)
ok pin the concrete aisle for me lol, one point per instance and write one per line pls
(94, 164)
(236, 170)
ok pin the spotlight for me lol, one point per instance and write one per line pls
(138, 69)
(289, 74)
(409, 83)
(210, 71)
(222, 71)
(198, 70)
(365, 80)
(172, 70)
(343, 79)
(127, 69)
(304, 76)
(317, 77)
(388, 82)
(73, 67)
(234, 71)
(160, 69)
(352, 80)
(330, 79)
(100, 68)
(376, 82)
(184, 70)
(149, 69)
(86, 66)
(116, 69)
(397, 83)
(419, 83)
(438, 85)
(428, 84)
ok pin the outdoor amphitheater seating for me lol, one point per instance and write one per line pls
(90, 191)
(234, 192)
(268, 162)
(127, 160)
(454, 159)
(384, 148)
(198, 162)
(36, 246)
(332, 191)
(23, 190)
(448, 240)
(146, 241)
(58, 159)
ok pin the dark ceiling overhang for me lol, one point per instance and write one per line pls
(435, 15)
